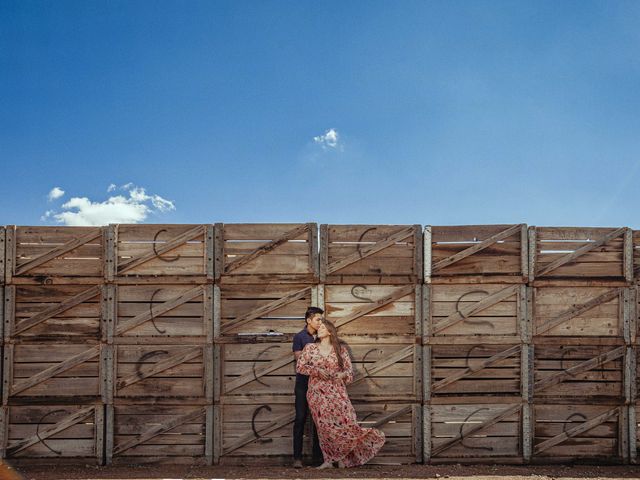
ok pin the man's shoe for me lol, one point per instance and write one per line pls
(297, 463)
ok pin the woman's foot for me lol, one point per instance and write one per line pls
(325, 465)
(341, 464)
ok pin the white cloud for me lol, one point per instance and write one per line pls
(330, 139)
(132, 208)
(55, 193)
(111, 187)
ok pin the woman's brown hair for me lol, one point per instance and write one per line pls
(335, 341)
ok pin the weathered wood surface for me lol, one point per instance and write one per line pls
(370, 254)
(163, 313)
(161, 250)
(52, 433)
(478, 253)
(636, 255)
(262, 309)
(159, 434)
(475, 370)
(578, 311)
(67, 373)
(579, 373)
(578, 432)
(475, 431)
(35, 254)
(2, 254)
(584, 252)
(163, 373)
(64, 313)
(255, 253)
(375, 310)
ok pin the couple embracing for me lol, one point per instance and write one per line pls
(323, 372)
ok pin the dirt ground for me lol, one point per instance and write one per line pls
(451, 472)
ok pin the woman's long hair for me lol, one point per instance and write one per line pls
(335, 341)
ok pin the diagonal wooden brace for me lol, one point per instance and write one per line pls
(372, 307)
(159, 310)
(45, 433)
(370, 250)
(577, 310)
(582, 367)
(273, 365)
(391, 416)
(476, 248)
(384, 363)
(570, 257)
(173, 244)
(264, 310)
(57, 252)
(583, 427)
(160, 366)
(249, 437)
(57, 309)
(478, 307)
(467, 372)
(476, 429)
(159, 430)
(266, 248)
(55, 370)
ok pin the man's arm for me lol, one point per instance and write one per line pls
(297, 354)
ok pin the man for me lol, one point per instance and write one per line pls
(313, 320)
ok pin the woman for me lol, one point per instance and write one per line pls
(329, 368)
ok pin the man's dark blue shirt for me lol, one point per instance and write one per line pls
(299, 341)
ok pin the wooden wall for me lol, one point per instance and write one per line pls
(172, 343)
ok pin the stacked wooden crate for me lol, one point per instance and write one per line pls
(634, 410)
(475, 341)
(53, 354)
(159, 344)
(371, 289)
(581, 289)
(266, 277)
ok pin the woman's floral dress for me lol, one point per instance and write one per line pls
(341, 438)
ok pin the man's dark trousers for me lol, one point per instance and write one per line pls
(302, 412)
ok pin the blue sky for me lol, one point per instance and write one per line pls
(437, 112)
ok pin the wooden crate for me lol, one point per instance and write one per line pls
(52, 434)
(370, 254)
(44, 255)
(375, 311)
(162, 374)
(636, 255)
(2, 254)
(174, 253)
(468, 313)
(60, 313)
(476, 254)
(579, 311)
(257, 253)
(58, 373)
(574, 433)
(261, 433)
(262, 309)
(579, 373)
(474, 433)
(383, 372)
(475, 371)
(580, 252)
(164, 434)
(163, 313)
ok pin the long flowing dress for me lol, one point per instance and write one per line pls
(341, 438)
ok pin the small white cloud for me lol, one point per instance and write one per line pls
(134, 208)
(47, 215)
(111, 187)
(55, 193)
(330, 139)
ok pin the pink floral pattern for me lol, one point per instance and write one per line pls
(341, 438)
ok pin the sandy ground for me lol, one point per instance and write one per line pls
(451, 472)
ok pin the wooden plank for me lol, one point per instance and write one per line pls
(10, 253)
(218, 245)
(581, 367)
(369, 308)
(266, 248)
(8, 309)
(209, 251)
(573, 432)
(158, 430)
(2, 255)
(577, 310)
(476, 248)
(570, 257)
(628, 255)
(128, 324)
(249, 437)
(427, 260)
(57, 252)
(384, 363)
(110, 244)
(55, 370)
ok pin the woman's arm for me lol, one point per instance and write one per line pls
(347, 369)
(306, 365)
